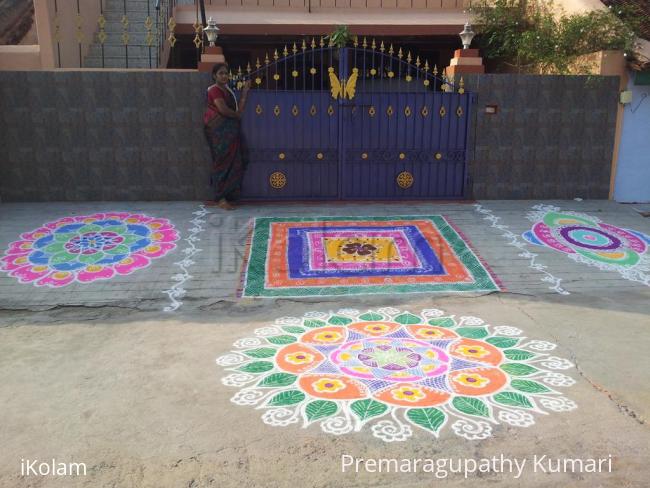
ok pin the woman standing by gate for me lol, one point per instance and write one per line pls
(223, 133)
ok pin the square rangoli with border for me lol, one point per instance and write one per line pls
(293, 257)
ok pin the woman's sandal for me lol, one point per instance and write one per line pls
(223, 203)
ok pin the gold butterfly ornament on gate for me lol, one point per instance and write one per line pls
(343, 88)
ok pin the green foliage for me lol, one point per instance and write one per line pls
(534, 36)
(340, 37)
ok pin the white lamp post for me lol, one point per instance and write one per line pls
(212, 31)
(467, 35)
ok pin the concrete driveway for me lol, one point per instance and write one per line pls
(99, 373)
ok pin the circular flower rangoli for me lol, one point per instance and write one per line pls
(396, 370)
(589, 240)
(86, 248)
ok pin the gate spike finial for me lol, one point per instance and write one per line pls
(417, 61)
(374, 44)
(313, 43)
(408, 57)
(239, 70)
(355, 42)
(266, 59)
(248, 68)
(400, 54)
(294, 49)
(365, 43)
(257, 63)
(381, 47)
(322, 42)
(426, 65)
(461, 86)
(275, 55)
(285, 52)
(391, 51)
(435, 70)
(303, 45)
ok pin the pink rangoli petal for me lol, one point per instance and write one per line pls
(130, 264)
(14, 261)
(56, 279)
(635, 243)
(58, 223)
(20, 247)
(168, 235)
(36, 234)
(92, 273)
(30, 273)
(116, 215)
(156, 250)
(159, 224)
(543, 233)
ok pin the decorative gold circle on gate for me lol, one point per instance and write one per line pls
(277, 180)
(258, 81)
(364, 156)
(294, 73)
(402, 156)
(426, 82)
(372, 111)
(373, 71)
(438, 155)
(404, 180)
(281, 156)
(391, 74)
(319, 156)
(276, 77)
(408, 78)
(312, 71)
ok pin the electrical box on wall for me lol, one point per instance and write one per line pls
(642, 78)
(625, 97)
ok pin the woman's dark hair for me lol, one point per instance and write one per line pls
(217, 67)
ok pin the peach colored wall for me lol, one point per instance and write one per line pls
(20, 58)
(68, 43)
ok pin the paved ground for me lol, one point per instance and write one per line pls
(99, 374)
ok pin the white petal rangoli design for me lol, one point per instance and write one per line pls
(398, 371)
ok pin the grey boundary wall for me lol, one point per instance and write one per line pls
(137, 135)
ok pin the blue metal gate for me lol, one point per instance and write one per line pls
(349, 123)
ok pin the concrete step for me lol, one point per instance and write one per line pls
(135, 51)
(134, 27)
(118, 62)
(115, 38)
(131, 16)
(139, 5)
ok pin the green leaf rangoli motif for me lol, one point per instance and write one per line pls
(396, 373)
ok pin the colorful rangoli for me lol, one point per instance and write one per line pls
(588, 240)
(86, 248)
(358, 255)
(396, 371)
